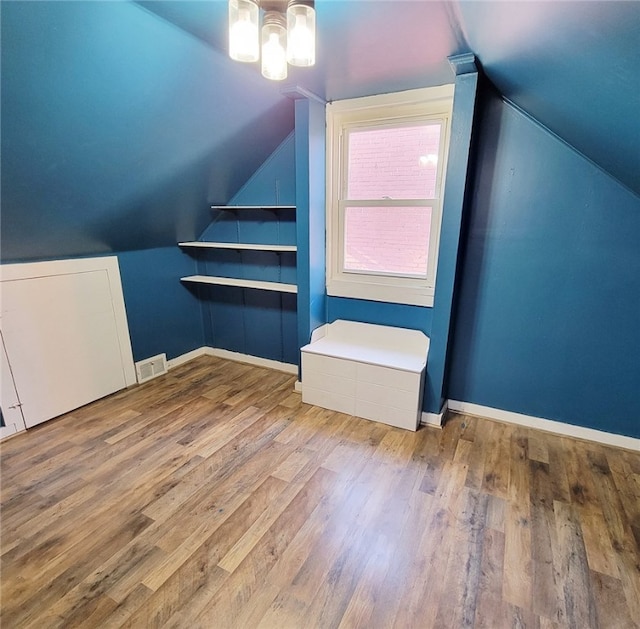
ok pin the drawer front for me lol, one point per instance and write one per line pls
(329, 365)
(405, 380)
(381, 394)
(387, 415)
(328, 399)
(327, 382)
(387, 396)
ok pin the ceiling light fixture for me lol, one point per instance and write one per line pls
(288, 34)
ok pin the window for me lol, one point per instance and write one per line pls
(386, 163)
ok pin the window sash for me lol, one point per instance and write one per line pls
(426, 279)
(434, 202)
(391, 124)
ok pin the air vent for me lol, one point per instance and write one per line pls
(151, 367)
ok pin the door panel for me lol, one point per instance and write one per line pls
(62, 341)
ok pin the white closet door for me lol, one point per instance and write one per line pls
(62, 341)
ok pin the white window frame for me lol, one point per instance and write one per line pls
(422, 105)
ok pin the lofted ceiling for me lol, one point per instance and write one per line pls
(122, 121)
(571, 65)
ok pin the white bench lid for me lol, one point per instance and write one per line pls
(398, 348)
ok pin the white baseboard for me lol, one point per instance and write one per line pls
(548, 425)
(9, 430)
(434, 419)
(238, 357)
(253, 360)
(185, 358)
(298, 386)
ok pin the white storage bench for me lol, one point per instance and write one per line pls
(371, 371)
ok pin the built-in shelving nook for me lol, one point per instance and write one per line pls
(259, 264)
(239, 226)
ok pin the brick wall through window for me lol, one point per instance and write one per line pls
(390, 163)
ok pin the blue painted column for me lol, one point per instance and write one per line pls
(466, 83)
(310, 156)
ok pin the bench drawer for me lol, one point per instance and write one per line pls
(329, 399)
(387, 396)
(338, 367)
(327, 382)
(407, 419)
(385, 376)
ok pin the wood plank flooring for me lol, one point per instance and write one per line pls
(212, 497)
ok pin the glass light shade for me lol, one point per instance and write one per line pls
(274, 46)
(301, 34)
(244, 42)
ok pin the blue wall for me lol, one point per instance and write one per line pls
(274, 182)
(381, 313)
(453, 210)
(548, 320)
(310, 227)
(162, 315)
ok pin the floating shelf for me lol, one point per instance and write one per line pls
(253, 207)
(237, 245)
(230, 281)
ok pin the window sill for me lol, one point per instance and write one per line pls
(408, 295)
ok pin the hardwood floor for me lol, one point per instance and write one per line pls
(212, 497)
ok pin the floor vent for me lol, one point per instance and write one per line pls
(151, 367)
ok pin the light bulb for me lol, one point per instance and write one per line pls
(274, 47)
(243, 30)
(301, 35)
